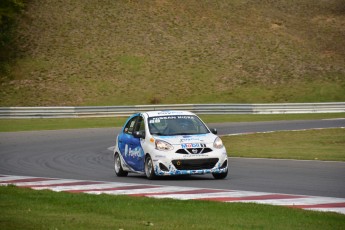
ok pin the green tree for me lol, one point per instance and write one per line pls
(9, 9)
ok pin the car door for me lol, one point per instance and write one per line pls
(130, 146)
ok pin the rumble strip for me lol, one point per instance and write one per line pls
(315, 203)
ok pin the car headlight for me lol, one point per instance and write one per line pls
(218, 143)
(163, 145)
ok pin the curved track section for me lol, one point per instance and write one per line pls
(83, 154)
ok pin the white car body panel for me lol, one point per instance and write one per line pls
(190, 153)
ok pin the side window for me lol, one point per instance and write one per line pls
(140, 126)
(130, 126)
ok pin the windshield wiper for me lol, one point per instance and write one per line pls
(175, 134)
(160, 134)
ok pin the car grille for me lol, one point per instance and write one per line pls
(195, 164)
(194, 150)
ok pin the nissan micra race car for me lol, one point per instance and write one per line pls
(166, 143)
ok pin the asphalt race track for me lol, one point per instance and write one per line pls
(86, 154)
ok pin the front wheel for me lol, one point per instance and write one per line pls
(149, 170)
(220, 175)
(118, 167)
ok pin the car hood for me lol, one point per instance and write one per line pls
(188, 139)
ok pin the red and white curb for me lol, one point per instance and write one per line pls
(316, 203)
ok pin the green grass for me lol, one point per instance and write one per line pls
(176, 52)
(325, 144)
(11, 125)
(28, 209)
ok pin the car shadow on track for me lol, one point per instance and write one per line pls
(175, 178)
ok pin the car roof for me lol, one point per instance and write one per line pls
(167, 113)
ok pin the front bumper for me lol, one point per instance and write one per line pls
(191, 165)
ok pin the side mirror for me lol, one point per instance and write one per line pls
(139, 134)
(214, 131)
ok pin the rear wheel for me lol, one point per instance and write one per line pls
(118, 167)
(220, 175)
(149, 170)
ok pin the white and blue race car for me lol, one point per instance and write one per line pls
(166, 143)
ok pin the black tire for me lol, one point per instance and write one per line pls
(118, 167)
(219, 176)
(149, 169)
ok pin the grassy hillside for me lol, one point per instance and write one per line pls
(85, 52)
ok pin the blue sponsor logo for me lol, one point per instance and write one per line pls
(193, 145)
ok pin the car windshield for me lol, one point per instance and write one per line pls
(176, 125)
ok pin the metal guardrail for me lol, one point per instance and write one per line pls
(111, 111)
